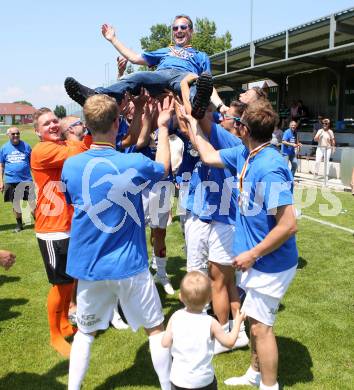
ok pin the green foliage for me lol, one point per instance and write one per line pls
(204, 38)
(160, 36)
(60, 111)
(129, 69)
(24, 102)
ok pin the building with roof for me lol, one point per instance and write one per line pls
(313, 62)
(15, 113)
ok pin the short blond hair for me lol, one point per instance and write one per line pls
(195, 290)
(100, 112)
(37, 114)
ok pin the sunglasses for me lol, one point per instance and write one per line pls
(77, 123)
(14, 133)
(183, 27)
(236, 119)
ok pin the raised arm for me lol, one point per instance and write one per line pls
(207, 153)
(204, 123)
(163, 154)
(109, 33)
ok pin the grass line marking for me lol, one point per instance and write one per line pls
(328, 224)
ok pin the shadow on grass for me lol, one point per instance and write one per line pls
(7, 304)
(10, 226)
(29, 381)
(295, 362)
(141, 373)
(8, 279)
(302, 263)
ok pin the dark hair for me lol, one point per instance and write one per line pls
(185, 17)
(260, 119)
(240, 107)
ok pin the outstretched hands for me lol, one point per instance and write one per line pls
(108, 32)
(166, 111)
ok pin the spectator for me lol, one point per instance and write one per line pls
(15, 158)
(277, 136)
(73, 129)
(326, 144)
(289, 144)
(7, 259)
(316, 127)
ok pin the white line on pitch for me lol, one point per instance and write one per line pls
(328, 224)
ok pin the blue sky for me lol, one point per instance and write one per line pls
(42, 42)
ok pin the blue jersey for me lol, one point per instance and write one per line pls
(224, 198)
(16, 160)
(190, 158)
(267, 184)
(108, 232)
(199, 186)
(176, 57)
(289, 136)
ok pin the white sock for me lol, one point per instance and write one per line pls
(262, 386)
(79, 359)
(161, 265)
(252, 375)
(161, 360)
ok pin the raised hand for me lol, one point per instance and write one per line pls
(122, 65)
(166, 110)
(108, 32)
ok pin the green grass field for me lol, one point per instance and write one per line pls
(314, 326)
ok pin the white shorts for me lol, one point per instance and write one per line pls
(220, 243)
(264, 292)
(262, 308)
(157, 204)
(137, 296)
(196, 236)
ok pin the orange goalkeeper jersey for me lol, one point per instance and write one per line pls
(53, 214)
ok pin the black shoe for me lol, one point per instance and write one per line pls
(78, 92)
(202, 97)
(17, 229)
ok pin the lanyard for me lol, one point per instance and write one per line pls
(253, 152)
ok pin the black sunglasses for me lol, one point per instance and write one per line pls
(183, 27)
(14, 133)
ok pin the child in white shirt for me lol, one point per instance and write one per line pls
(190, 334)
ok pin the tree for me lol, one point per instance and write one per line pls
(24, 102)
(60, 111)
(204, 38)
(160, 36)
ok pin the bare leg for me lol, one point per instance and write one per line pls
(264, 351)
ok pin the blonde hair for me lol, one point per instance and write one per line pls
(37, 114)
(100, 112)
(195, 290)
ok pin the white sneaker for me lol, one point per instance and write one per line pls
(251, 378)
(241, 381)
(117, 321)
(166, 284)
(218, 348)
(242, 340)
